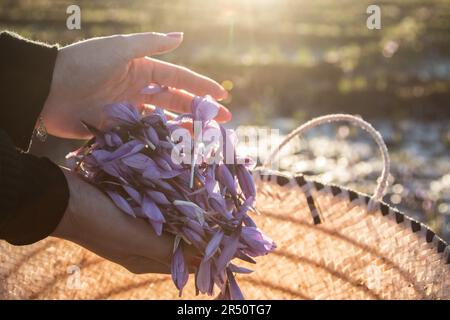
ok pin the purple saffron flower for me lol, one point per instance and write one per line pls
(179, 270)
(258, 243)
(204, 108)
(130, 158)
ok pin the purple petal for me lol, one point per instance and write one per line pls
(179, 270)
(127, 149)
(157, 226)
(165, 185)
(139, 161)
(151, 210)
(190, 210)
(133, 193)
(121, 202)
(228, 251)
(194, 238)
(101, 155)
(112, 169)
(158, 197)
(203, 279)
(210, 179)
(168, 159)
(204, 108)
(160, 112)
(245, 181)
(122, 113)
(113, 140)
(163, 164)
(170, 174)
(244, 208)
(226, 178)
(152, 135)
(151, 173)
(259, 244)
(234, 268)
(217, 203)
(235, 291)
(244, 257)
(213, 245)
(249, 222)
(195, 225)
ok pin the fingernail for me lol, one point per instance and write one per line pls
(176, 35)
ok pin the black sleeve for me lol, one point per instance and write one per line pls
(33, 191)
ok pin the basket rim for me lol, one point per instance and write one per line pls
(283, 178)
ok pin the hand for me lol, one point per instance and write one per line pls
(92, 73)
(94, 222)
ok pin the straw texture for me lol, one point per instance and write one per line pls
(351, 254)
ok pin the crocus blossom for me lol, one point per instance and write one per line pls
(204, 203)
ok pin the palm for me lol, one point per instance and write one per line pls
(126, 84)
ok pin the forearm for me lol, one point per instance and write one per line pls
(26, 69)
(33, 191)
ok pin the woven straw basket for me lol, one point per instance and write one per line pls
(353, 253)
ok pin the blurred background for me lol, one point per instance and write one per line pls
(286, 61)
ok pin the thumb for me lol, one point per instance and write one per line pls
(152, 43)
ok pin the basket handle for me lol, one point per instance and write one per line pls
(382, 185)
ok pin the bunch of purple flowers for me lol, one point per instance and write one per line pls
(204, 202)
